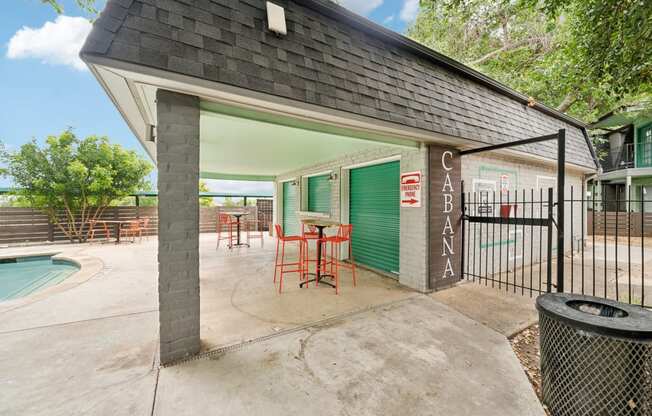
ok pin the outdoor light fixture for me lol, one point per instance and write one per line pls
(151, 133)
(276, 19)
(294, 183)
(332, 176)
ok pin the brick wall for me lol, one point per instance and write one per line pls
(177, 153)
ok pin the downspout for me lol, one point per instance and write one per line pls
(589, 143)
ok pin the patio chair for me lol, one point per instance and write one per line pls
(93, 229)
(255, 229)
(309, 232)
(144, 223)
(281, 239)
(131, 230)
(225, 224)
(343, 237)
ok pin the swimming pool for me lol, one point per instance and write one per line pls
(21, 276)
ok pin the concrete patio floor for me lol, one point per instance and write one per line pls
(375, 349)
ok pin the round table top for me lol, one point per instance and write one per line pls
(235, 213)
(319, 222)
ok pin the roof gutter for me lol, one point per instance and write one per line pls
(589, 143)
(338, 12)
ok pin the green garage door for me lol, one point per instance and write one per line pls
(319, 194)
(374, 211)
(290, 220)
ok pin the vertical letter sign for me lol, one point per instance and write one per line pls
(411, 189)
(444, 194)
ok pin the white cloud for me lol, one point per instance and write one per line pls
(409, 10)
(55, 43)
(388, 19)
(362, 7)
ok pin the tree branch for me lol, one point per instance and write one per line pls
(567, 102)
(505, 48)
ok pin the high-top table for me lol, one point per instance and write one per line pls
(237, 215)
(320, 224)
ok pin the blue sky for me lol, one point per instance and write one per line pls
(45, 89)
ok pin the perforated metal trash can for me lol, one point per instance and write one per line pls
(596, 356)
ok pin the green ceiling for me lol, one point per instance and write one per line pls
(248, 145)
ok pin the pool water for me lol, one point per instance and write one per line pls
(22, 276)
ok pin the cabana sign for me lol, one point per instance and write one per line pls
(411, 189)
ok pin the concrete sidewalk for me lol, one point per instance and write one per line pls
(91, 350)
(413, 357)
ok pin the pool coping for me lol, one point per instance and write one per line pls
(89, 267)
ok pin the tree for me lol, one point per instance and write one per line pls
(206, 201)
(580, 56)
(87, 6)
(73, 180)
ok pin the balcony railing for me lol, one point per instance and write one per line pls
(619, 158)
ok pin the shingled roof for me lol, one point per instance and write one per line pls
(332, 58)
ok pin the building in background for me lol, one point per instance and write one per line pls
(624, 146)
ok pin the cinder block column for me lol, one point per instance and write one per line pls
(177, 153)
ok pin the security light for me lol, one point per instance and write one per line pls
(276, 19)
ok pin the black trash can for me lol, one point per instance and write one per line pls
(596, 356)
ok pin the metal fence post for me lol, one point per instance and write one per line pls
(549, 244)
(561, 197)
(50, 229)
(463, 201)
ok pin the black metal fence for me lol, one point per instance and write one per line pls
(510, 241)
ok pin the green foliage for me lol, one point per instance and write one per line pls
(206, 201)
(580, 56)
(85, 5)
(74, 180)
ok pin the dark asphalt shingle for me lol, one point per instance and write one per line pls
(322, 61)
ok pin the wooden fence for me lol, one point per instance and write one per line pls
(607, 222)
(28, 225)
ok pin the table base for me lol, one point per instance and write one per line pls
(321, 280)
(239, 245)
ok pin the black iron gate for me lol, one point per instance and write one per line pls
(544, 220)
(507, 239)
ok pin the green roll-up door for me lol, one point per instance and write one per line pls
(290, 220)
(319, 194)
(374, 212)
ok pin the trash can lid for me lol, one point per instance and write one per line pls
(603, 316)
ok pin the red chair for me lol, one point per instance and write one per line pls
(343, 236)
(225, 224)
(144, 223)
(92, 226)
(131, 230)
(256, 229)
(311, 234)
(281, 239)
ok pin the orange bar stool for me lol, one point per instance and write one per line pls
(343, 237)
(256, 229)
(225, 225)
(281, 239)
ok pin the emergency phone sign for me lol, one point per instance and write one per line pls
(411, 189)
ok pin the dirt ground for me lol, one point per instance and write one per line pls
(526, 347)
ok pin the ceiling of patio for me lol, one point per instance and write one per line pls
(245, 144)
